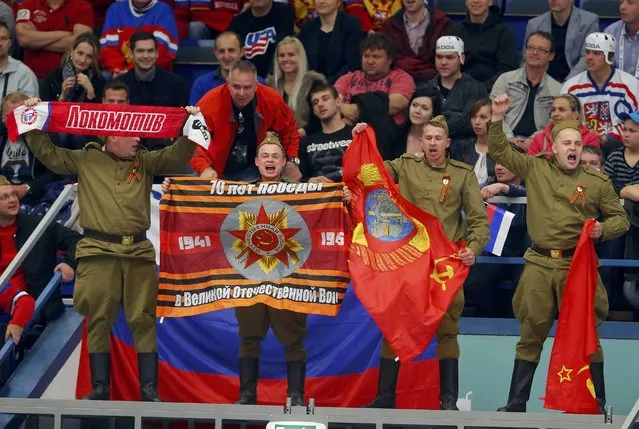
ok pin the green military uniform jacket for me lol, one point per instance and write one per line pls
(114, 193)
(554, 222)
(422, 185)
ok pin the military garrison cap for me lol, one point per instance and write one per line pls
(562, 125)
(271, 138)
(440, 122)
(4, 181)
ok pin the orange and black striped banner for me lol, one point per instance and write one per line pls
(235, 244)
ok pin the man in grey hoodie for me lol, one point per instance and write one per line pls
(15, 76)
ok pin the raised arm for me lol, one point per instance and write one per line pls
(498, 145)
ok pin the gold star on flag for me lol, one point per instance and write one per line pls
(564, 374)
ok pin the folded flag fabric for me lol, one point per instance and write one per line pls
(569, 385)
(199, 362)
(500, 221)
(404, 269)
(232, 244)
(109, 120)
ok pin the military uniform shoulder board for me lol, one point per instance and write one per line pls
(597, 173)
(543, 154)
(461, 165)
(92, 145)
(417, 157)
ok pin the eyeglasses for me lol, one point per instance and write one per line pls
(537, 50)
(5, 197)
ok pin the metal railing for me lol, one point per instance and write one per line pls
(139, 411)
(67, 193)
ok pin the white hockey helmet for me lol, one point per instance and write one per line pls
(451, 44)
(602, 42)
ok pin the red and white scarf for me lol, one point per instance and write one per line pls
(109, 120)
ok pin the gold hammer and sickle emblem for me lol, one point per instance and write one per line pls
(441, 277)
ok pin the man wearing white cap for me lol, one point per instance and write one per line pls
(530, 89)
(458, 90)
(604, 91)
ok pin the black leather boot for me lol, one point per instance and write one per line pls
(597, 373)
(248, 381)
(520, 385)
(296, 376)
(100, 364)
(449, 383)
(148, 368)
(386, 385)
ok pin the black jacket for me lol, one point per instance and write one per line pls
(491, 47)
(344, 44)
(373, 109)
(165, 89)
(39, 264)
(40, 175)
(465, 152)
(52, 88)
(456, 108)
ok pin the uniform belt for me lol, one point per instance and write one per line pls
(126, 240)
(554, 253)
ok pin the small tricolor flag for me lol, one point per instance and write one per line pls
(500, 221)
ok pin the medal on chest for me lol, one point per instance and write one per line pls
(579, 195)
(443, 194)
(134, 172)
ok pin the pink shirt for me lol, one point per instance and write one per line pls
(395, 82)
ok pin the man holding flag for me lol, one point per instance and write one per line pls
(565, 195)
(442, 187)
(116, 261)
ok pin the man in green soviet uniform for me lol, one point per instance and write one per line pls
(254, 321)
(562, 195)
(116, 262)
(289, 327)
(442, 187)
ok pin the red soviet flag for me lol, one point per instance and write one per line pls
(404, 269)
(569, 385)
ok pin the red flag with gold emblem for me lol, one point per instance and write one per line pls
(569, 386)
(404, 269)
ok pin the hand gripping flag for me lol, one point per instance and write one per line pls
(109, 120)
(569, 385)
(404, 269)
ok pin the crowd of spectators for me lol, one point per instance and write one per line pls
(394, 64)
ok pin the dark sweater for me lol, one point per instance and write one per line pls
(165, 89)
(342, 48)
(491, 47)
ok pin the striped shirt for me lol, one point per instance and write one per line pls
(621, 174)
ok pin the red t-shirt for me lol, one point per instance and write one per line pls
(38, 12)
(8, 251)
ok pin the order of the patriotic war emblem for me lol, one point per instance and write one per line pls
(265, 239)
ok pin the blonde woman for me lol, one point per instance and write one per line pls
(292, 79)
